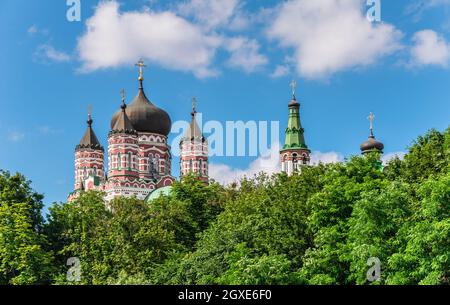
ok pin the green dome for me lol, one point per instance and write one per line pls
(158, 192)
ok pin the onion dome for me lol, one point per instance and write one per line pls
(143, 115)
(371, 145)
(123, 123)
(193, 132)
(89, 140)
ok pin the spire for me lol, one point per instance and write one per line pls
(194, 105)
(193, 132)
(89, 139)
(123, 124)
(141, 65)
(294, 135)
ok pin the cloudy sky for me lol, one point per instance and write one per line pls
(237, 57)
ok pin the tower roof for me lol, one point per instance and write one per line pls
(89, 139)
(123, 123)
(143, 115)
(294, 134)
(371, 145)
(193, 131)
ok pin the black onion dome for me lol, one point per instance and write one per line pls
(145, 117)
(371, 145)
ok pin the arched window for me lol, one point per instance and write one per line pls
(295, 161)
(156, 164)
(130, 161)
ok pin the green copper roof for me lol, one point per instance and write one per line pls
(158, 192)
(294, 134)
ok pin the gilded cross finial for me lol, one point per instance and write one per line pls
(141, 65)
(122, 93)
(89, 115)
(194, 106)
(293, 85)
(123, 106)
(371, 118)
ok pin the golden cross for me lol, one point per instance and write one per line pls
(194, 104)
(293, 85)
(122, 92)
(371, 118)
(141, 65)
(89, 121)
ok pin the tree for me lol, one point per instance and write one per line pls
(23, 255)
(326, 261)
(425, 254)
(268, 215)
(17, 189)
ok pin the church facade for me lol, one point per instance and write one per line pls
(138, 153)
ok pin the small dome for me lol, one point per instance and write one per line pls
(145, 117)
(163, 191)
(371, 145)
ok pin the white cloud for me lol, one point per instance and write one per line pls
(16, 136)
(215, 13)
(268, 163)
(245, 54)
(327, 157)
(46, 52)
(389, 156)
(429, 49)
(280, 71)
(418, 7)
(34, 29)
(115, 38)
(48, 130)
(328, 36)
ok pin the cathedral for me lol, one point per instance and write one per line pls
(139, 156)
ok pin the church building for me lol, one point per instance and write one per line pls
(139, 156)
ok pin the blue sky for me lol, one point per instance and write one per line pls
(238, 62)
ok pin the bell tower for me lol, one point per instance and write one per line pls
(89, 160)
(194, 149)
(295, 153)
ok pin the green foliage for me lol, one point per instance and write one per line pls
(246, 269)
(319, 227)
(425, 254)
(17, 189)
(23, 258)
